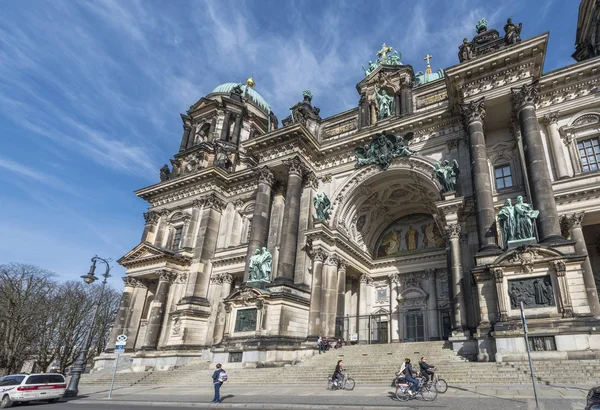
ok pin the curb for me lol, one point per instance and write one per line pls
(239, 405)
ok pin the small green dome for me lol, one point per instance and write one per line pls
(255, 97)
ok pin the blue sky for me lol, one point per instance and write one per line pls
(91, 91)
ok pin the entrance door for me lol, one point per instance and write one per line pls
(383, 332)
(446, 324)
(415, 326)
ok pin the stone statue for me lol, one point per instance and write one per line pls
(447, 174)
(237, 89)
(222, 157)
(322, 206)
(274, 121)
(385, 104)
(465, 52)
(165, 173)
(506, 219)
(512, 33)
(382, 149)
(199, 134)
(524, 216)
(260, 265)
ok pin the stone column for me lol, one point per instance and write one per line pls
(289, 229)
(498, 275)
(187, 128)
(565, 303)
(237, 128)
(305, 222)
(458, 287)
(373, 113)
(329, 296)
(542, 195)
(120, 325)
(260, 218)
(192, 136)
(432, 305)
(190, 224)
(225, 126)
(162, 227)
(398, 103)
(394, 308)
(341, 288)
(364, 113)
(225, 280)
(151, 218)
(406, 102)
(314, 321)
(211, 130)
(363, 330)
(217, 311)
(157, 310)
(204, 249)
(473, 114)
(227, 320)
(557, 145)
(573, 223)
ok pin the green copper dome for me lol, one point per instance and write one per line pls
(255, 97)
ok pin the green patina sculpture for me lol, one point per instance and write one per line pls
(385, 104)
(447, 174)
(322, 206)
(382, 149)
(481, 26)
(260, 266)
(307, 93)
(516, 221)
(385, 56)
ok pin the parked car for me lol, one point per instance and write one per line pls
(593, 399)
(23, 388)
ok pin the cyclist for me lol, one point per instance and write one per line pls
(337, 374)
(426, 369)
(409, 375)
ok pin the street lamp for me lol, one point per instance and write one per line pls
(80, 363)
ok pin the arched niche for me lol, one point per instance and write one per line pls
(409, 234)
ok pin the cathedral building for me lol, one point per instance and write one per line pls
(441, 207)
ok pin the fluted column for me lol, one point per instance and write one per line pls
(329, 296)
(473, 114)
(557, 145)
(394, 308)
(458, 288)
(209, 208)
(314, 321)
(289, 229)
(542, 194)
(123, 311)
(260, 217)
(432, 312)
(157, 310)
(363, 331)
(151, 218)
(341, 288)
(573, 223)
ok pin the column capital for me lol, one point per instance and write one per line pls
(527, 94)
(498, 274)
(394, 278)
(311, 180)
(181, 278)
(265, 176)
(151, 217)
(560, 267)
(216, 280)
(295, 166)
(319, 255)
(453, 230)
(226, 278)
(332, 260)
(166, 276)
(430, 272)
(566, 135)
(473, 111)
(209, 201)
(131, 282)
(365, 277)
(342, 265)
(551, 118)
(570, 221)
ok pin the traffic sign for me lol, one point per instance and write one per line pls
(120, 349)
(122, 338)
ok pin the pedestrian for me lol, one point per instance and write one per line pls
(320, 344)
(219, 376)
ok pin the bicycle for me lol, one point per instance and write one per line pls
(435, 382)
(403, 392)
(347, 383)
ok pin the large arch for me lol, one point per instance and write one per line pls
(371, 199)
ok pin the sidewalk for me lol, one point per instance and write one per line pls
(302, 396)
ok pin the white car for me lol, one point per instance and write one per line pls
(22, 388)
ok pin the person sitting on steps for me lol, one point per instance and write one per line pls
(426, 369)
(338, 377)
(409, 375)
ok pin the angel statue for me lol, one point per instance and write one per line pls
(322, 206)
(447, 174)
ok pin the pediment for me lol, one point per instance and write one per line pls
(146, 253)
(527, 255)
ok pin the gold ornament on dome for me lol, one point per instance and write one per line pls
(250, 82)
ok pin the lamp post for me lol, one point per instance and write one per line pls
(80, 363)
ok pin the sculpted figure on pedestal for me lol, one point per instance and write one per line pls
(322, 206)
(447, 174)
(465, 52)
(506, 218)
(165, 173)
(385, 104)
(524, 216)
(512, 33)
(261, 265)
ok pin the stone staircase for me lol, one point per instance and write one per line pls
(368, 364)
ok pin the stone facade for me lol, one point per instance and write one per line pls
(395, 258)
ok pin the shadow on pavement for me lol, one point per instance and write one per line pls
(488, 395)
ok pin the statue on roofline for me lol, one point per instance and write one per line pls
(512, 33)
(165, 173)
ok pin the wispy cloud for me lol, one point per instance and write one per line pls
(23, 171)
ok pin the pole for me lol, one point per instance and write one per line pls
(112, 382)
(537, 404)
(80, 364)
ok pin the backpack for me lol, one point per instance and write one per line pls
(223, 375)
